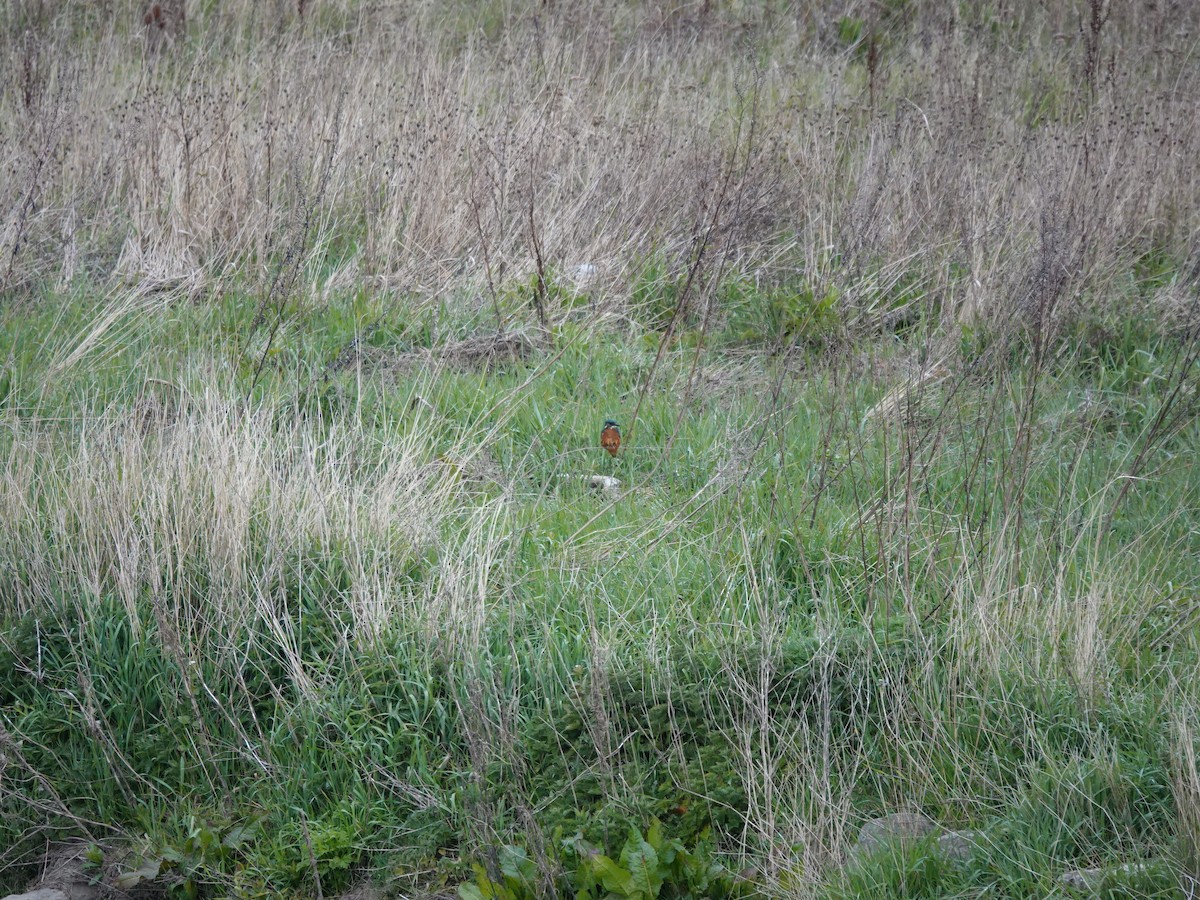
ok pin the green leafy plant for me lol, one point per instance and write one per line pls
(183, 866)
(518, 875)
(649, 866)
(93, 863)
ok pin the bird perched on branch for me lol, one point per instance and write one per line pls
(610, 437)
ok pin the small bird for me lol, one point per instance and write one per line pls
(610, 437)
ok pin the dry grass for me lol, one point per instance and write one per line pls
(199, 497)
(421, 148)
(1186, 786)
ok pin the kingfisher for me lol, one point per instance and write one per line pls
(610, 437)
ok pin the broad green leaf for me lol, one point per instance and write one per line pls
(516, 864)
(238, 834)
(483, 888)
(612, 876)
(642, 862)
(654, 836)
(147, 871)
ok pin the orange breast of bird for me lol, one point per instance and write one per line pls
(610, 438)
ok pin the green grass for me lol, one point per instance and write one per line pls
(755, 644)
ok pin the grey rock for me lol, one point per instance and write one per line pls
(40, 894)
(1080, 879)
(1090, 879)
(958, 845)
(605, 483)
(898, 828)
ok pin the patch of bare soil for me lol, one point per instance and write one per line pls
(65, 875)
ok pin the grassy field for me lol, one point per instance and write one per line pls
(312, 314)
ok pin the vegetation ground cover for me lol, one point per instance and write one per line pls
(307, 345)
